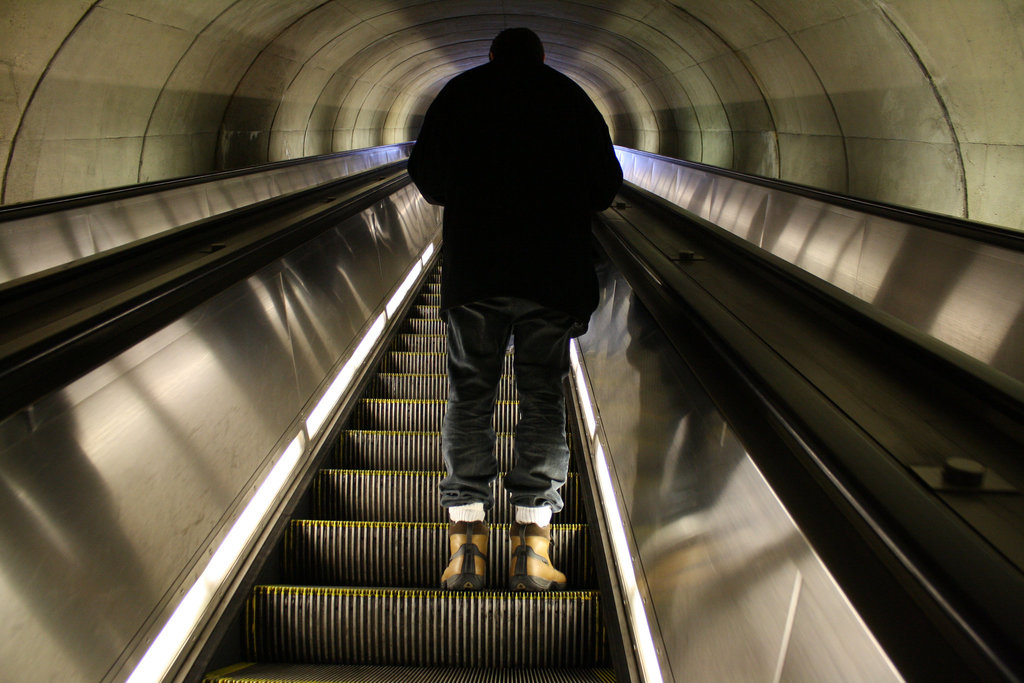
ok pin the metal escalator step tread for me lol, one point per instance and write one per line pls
(396, 385)
(397, 554)
(428, 311)
(365, 495)
(419, 627)
(420, 343)
(403, 450)
(423, 363)
(358, 673)
(419, 415)
(414, 325)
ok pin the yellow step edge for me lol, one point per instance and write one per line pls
(345, 524)
(423, 401)
(409, 473)
(371, 592)
(426, 375)
(399, 432)
(428, 353)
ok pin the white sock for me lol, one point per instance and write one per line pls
(541, 516)
(471, 512)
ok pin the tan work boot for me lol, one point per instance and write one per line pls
(531, 568)
(467, 543)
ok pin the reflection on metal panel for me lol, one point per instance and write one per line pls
(962, 292)
(35, 243)
(735, 589)
(113, 489)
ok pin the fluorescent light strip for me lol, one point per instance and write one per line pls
(403, 290)
(427, 253)
(165, 649)
(325, 406)
(640, 626)
(581, 388)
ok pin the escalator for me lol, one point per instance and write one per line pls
(359, 600)
(720, 395)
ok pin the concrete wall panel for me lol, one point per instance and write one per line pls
(878, 171)
(879, 89)
(738, 23)
(189, 111)
(799, 103)
(97, 94)
(797, 15)
(995, 176)
(710, 112)
(245, 131)
(32, 33)
(814, 160)
(975, 55)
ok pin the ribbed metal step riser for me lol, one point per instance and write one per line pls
(420, 343)
(420, 416)
(357, 673)
(413, 497)
(426, 311)
(322, 553)
(403, 451)
(425, 628)
(425, 387)
(422, 326)
(411, 363)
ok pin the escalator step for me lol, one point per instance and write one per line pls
(367, 496)
(354, 673)
(425, 310)
(416, 363)
(319, 625)
(422, 415)
(422, 326)
(411, 554)
(403, 451)
(420, 343)
(408, 386)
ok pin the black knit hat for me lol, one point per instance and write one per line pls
(517, 46)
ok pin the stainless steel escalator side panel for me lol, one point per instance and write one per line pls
(963, 292)
(731, 586)
(35, 243)
(115, 490)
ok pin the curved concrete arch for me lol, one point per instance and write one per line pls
(244, 135)
(85, 119)
(746, 103)
(25, 64)
(429, 31)
(161, 140)
(895, 101)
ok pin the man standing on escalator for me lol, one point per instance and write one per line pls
(520, 158)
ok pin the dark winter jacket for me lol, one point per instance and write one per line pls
(520, 158)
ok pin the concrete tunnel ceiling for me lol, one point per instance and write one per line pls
(912, 102)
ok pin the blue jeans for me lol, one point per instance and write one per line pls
(478, 337)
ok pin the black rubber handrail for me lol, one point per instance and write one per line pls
(981, 379)
(893, 545)
(68, 321)
(91, 198)
(973, 230)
